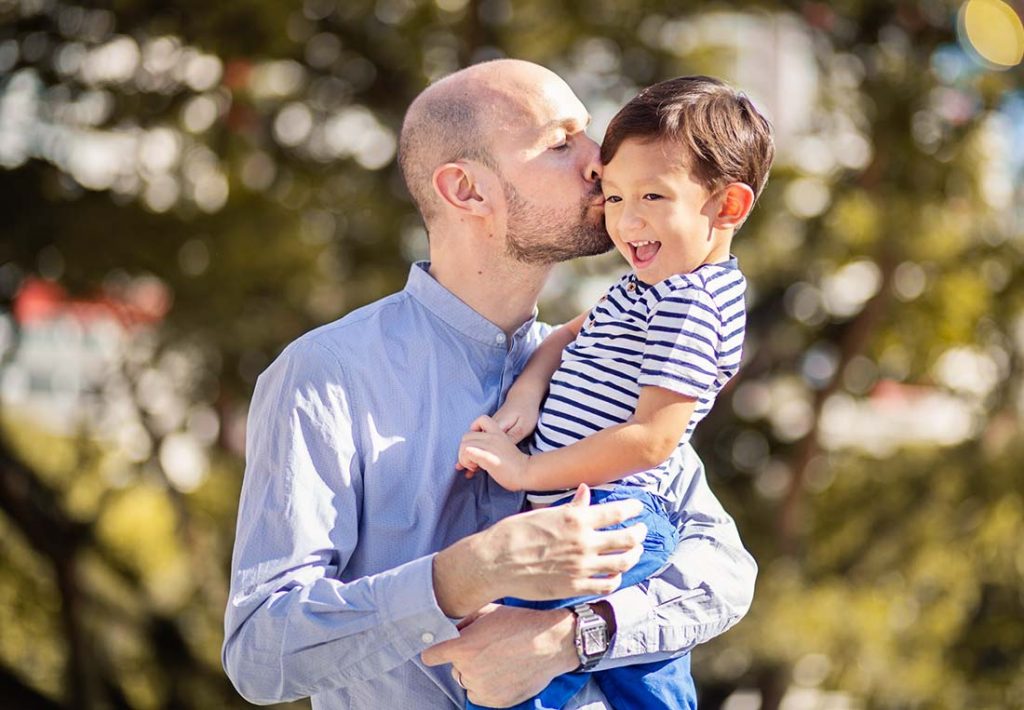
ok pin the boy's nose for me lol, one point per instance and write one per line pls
(630, 221)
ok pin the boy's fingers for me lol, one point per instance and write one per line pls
(486, 424)
(484, 458)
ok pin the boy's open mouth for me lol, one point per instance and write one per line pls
(643, 253)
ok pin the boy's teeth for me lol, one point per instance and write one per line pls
(646, 250)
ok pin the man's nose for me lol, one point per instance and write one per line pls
(592, 167)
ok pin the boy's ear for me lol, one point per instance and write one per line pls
(737, 199)
(460, 188)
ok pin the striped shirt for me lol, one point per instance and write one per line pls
(684, 334)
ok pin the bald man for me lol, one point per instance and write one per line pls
(364, 566)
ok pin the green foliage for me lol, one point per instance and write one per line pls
(893, 577)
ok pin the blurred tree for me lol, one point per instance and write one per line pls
(241, 156)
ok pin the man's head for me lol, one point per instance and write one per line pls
(685, 161)
(499, 150)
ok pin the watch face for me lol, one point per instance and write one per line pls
(594, 640)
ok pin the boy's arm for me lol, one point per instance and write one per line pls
(517, 416)
(643, 442)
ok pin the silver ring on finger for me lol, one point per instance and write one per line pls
(458, 678)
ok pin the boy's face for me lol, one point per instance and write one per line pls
(660, 217)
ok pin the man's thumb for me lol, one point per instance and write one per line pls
(582, 497)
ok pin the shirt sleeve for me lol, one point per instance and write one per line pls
(292, 627)
(705, 589)
(681, 348)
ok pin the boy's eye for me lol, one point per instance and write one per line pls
(652, 196)
(560, 146)
(612, 199)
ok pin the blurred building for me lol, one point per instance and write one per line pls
(67, 351)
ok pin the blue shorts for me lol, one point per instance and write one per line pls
(664, 685)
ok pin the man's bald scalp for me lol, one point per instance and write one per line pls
(455, 119)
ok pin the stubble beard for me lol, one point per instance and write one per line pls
(545, 236)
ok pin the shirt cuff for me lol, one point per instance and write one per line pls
(636, 632)
(407, 595)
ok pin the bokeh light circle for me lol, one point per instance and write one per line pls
(993, 30)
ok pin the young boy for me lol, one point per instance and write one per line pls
(627, 383)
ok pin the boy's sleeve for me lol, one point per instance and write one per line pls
(681, 351)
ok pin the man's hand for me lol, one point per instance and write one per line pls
(505, 655)
(550, 553)
(487, 446)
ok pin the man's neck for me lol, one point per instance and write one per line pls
(504, 293)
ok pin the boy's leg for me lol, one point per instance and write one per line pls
(659, 544)
(665, 684)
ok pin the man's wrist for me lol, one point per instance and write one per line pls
(606, 612)
(462, 576)
(568, 659)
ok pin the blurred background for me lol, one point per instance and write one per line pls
(185, 187)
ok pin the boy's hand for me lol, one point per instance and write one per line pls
(517, 417)
(487, 446)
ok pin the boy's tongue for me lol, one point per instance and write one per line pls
(646, 252)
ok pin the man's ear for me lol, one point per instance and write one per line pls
(736, 201)
(459, 188)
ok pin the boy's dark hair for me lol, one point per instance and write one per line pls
(726, 139)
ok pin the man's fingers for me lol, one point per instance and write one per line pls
(606, 514)
(467, 620)
(598, 585)
(582, 497)
(621, 539)
(438, 654)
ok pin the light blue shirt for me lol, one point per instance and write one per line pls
(350, 489)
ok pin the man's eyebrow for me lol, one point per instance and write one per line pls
(569, 124)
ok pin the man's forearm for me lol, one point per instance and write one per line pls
(540, 554)
(308, 632)
(705, 589)
(686, 605)
(461, 584)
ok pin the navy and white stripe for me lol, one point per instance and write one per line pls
(684, 334)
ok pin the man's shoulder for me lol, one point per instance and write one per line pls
(347, 340)
(352, 328)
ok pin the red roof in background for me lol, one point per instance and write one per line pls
(143, 302)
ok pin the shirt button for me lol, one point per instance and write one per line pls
(631, 287)
(427, 637)
(499, 338)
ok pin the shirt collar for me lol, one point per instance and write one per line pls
(448, 307)
(640, 286)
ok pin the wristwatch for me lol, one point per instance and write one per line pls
(591, 637)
